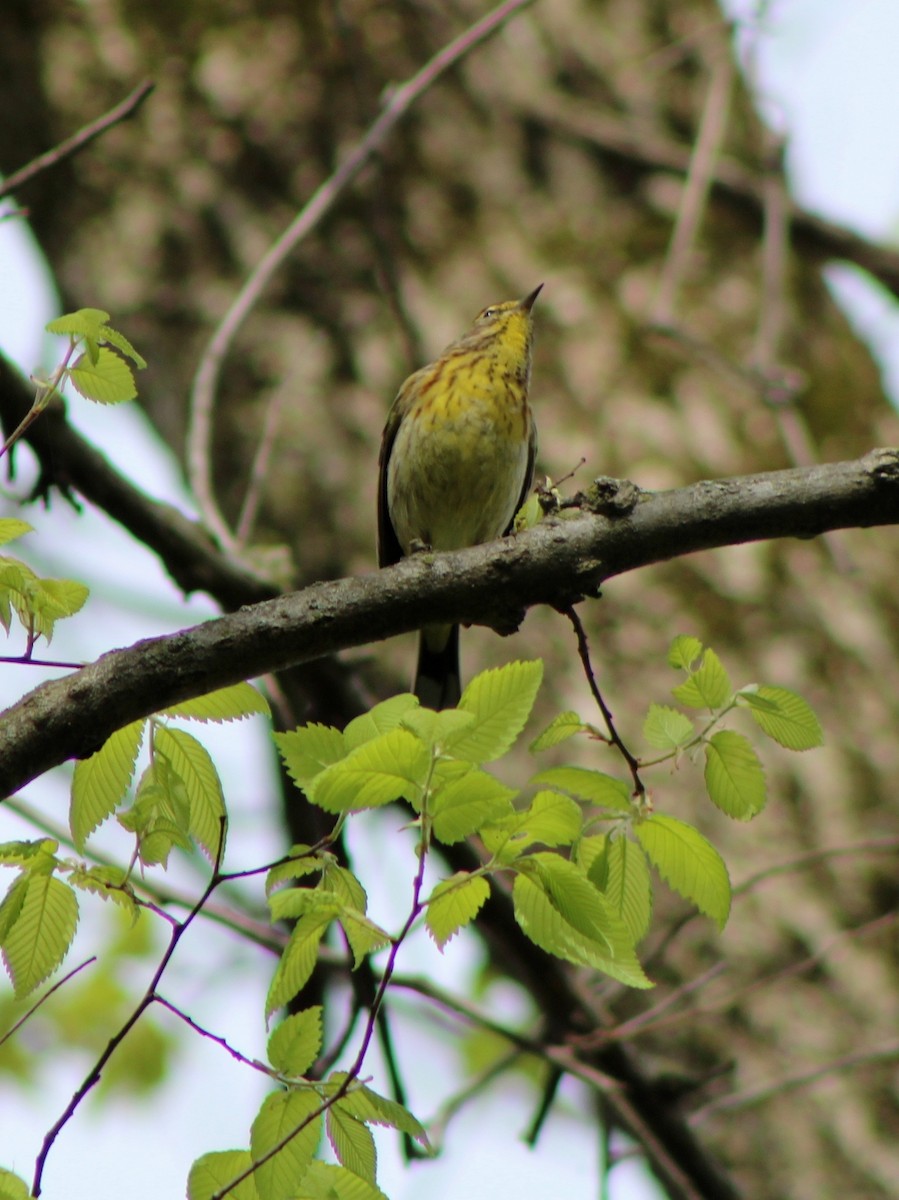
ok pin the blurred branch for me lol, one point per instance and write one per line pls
(557, 563)
(202, 398)
(87, 134)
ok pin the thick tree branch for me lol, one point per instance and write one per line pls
(557, 564)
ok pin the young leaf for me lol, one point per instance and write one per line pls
(100, 783)
(378, 772)
(384, 717)
(733, 775)
(463, 806)
(708, 687)
(26, 854)
(11, 907)
(83, 322)
(785, 717)
(51, 600)
(227, 704)
(501, 701)
(109, 884)
(352, 1142)
(435, 728)
(294, 1115)
(454, 903)
(308, 750)
(299, 864)
(121, 343)
(602, 790)
(294, 1046)
(297, 962)
(107, 379)
(325, 1181)
(42, 933)
(10, 529)
(689, 863)
(212, 1174)
(12, 1187)
(667, 729)
(362, 934)
(684, 651)
(627, 884)
(562, 727)
(550, 818)
(369, 1106)
(191, 763)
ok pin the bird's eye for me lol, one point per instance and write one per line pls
(488, 312)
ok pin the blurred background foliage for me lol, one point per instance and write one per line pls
(538, 158)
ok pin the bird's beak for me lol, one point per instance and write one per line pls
(528, 302)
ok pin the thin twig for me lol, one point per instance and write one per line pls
(46, 996)
(202, 398)
(87, 134)
(259, 469)
(220, 1041)
(584, 654)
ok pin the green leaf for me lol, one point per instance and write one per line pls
(454, 903)
(551, 818)
(107, 379)
(121, 343)
(51, 600)
(384, 717)
(10, 529)
(627, 884)
(375, 1109)
(100, 783)
(160, 814)
(562, 727)
(109, 883)
(463, 806)
(325, 1181)
(210, 1175)
(684, 651)
(436, 728)
(352, 1142)
(689, 863)
(733, 775)
(707, 687)
(304, 863)
(191, 763)
(42, 933)
(294, 1046)
(12, 1187)
(392, 766)
(308, 750)
(11, 907)
(25, 854)
(227, 704)
(501, 701)
(296, 964)
(541, 920)
(785, 717)
(83, 322)
(667, 729)
(362, 934)
(293, 1115)
(604, 791)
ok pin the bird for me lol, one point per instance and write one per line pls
(457, 463)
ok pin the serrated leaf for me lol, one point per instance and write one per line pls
(362, 934)
(352, 1142)
(602, 790)
(298, 960)
(734, 776)
(292, 1117)
(375, 1109)
(542, 922)
(454, 903)
(211, 1175)
(501, 701)
(384, 717)
(12, 1187)
(684, 651)
(107, 883)
(83, 322)
(436, 728)
(191, 763)
(10, 529)
(708, 686)
(627, 885)
(121, 343)
(689, 863)
(562, 727)
(11, 906)
(325, 1181)
(392, 766)
(463, 806)
(24, 854)
(667, 729)
(792, 723)
(106, 380)
(294, 1046)
(303, 864)
(291, 903)
(100, 783)
(51, 600)
(551, 818)
(308, 750)
(41, 935)
(226, 704)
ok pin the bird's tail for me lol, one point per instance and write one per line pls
(438, 683)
